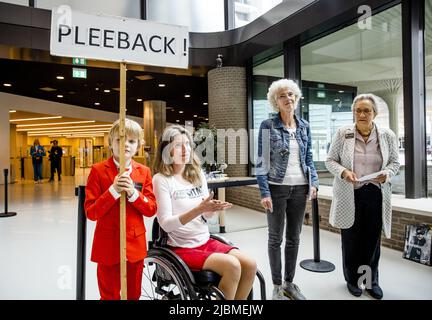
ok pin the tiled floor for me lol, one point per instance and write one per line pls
(38, 250)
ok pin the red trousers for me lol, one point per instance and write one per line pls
(109, 280)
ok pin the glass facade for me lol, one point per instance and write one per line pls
(124, 8)
(18, 2)
(198, 15)
(263, 74)
(242, 12)
(354, 60)
(428, 84)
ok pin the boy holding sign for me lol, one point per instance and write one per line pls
(103, 190)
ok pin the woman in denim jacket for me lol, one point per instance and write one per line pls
(286, 175)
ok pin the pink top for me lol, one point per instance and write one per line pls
(367, 157)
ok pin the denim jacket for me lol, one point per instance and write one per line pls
(37, 152)
(273, 153)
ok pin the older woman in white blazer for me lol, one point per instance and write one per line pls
(362, 207)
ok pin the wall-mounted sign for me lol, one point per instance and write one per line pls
(79, 61)
(321, 94)
(79, 35)
(79, 73)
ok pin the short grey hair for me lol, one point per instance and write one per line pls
(375, 100)
(276, 86)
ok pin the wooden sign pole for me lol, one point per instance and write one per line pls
(122, 136)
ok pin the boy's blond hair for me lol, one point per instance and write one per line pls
(132, 129)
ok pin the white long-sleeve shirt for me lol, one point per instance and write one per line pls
(175, 196)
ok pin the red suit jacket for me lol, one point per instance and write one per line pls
(102, 207)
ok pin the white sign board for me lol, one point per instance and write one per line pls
(76, 34)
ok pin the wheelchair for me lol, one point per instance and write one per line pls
(167, 277)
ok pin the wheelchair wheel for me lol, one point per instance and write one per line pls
(211, 293)
(161, 281)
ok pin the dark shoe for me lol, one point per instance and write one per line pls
(376, 292)
(51, 180)
(354, 290)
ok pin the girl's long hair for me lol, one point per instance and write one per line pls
(163, 162)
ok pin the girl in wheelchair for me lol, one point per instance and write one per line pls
(184, 205)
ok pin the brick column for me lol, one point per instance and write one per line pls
(228, 110)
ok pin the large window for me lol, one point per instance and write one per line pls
(18, 2)
(265, 71)
(199, 15)
(243, 12)
(124, 8)
(428, 81)
(351, 61)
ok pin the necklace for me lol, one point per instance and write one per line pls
(365, 134)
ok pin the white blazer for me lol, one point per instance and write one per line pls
(341, 157)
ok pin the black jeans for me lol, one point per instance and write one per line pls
(55, 165)
(361, 243)
(289, 202)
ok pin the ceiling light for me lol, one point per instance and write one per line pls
(101, 126)
(49, 89)
(41, 134)
(32, 119)
(341, 91)
(71, 130)
(139, 99)
(180, 111)
(187, 95)
(76, 131)
(107, 90)
(336, 99)
(144, 77)
(60, 77)
(177, 120)
(12, 111)
(205, 103)
(53, 123)
(206, 119)
(7, 84)
(59, 96)
(195, 115)
(97, 89)
(96, 103)
(161, 85)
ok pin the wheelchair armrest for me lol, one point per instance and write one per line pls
(221, 239)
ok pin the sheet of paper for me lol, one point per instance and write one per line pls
(370, 176)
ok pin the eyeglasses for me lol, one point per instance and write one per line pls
(360, 111)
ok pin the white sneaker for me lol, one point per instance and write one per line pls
(292, 291)
(278, 293)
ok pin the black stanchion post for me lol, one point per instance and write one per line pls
(316, 264)
(6, 214)
(81, 244)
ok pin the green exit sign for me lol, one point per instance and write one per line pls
(79, 73)
(321, 94)
(79, 61)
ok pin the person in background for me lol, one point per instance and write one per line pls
(102, 204)
(362, 208)
(37, 153)
(55, 155)
(184, 205)
(286, 176)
